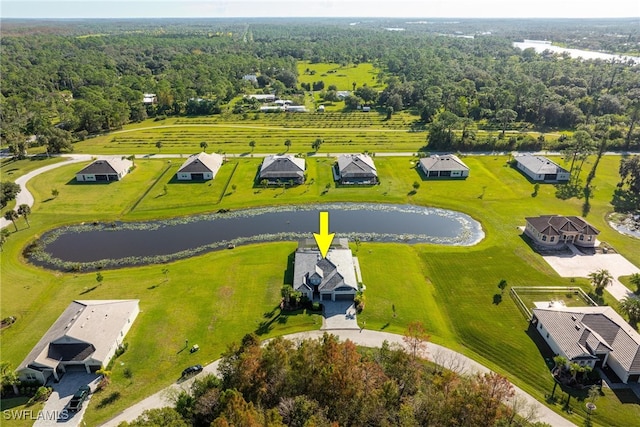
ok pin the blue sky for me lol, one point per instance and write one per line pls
(319, 8)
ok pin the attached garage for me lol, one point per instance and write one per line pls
(105, 170)
(344, 297)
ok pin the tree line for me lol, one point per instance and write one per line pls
(325, 382)
(64, 87)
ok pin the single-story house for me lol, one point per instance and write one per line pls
(593, 336)
(282, 168)
(149, 98)
(200, 167)
(85, 337)
(295, 109)
(325, 279)
(105, 170)
(551, 230)
(539, 168)
(356, 169)
(262, 97)
(342, 94)
(443, 166)
(250, 78)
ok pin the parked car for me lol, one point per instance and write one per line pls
(78, 398)
(192, 370)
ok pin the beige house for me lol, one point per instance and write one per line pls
(552, 230)
(539, 168)
(593, 336)
(200, 167)
(355, 169)
(282, 168)
(443, 166)
(84, 337)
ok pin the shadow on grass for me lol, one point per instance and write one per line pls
(108, 400)
(287, 276)
(497, 299)
(626, 396)
(74, 181)
(86, 291)
(12, 402)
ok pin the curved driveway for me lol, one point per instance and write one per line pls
(25, 196)
(366, 338)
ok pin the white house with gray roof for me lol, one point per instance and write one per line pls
(356, 169)
(105, 170)
(594, 336)
(85, 336)
(326, 279)
(539, 168)
(282, 168)
(443, 166)
(200, 167)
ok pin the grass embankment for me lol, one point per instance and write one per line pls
(216, 298)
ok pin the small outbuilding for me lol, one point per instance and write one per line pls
(200, 167)
(443, 166)
(105, 170)
(539, 168)
(355, 169)
(85, 337)
(282, 168)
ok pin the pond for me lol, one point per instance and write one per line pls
(136, 243)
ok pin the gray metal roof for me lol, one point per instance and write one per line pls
(282, 167)
(539, 164)
(356, 166)
(444, 162)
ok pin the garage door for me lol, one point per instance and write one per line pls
(197, 176)
(326, 297)
(344, 297)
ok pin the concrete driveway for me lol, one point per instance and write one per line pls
(339, 315)
(54, 413)
(580, 265)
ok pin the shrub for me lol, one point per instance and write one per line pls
(41, 394)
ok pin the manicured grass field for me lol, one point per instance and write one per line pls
(216, 298)
(340, 76)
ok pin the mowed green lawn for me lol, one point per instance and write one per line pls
(342, 77)
(216, 298)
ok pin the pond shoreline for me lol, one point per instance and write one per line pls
(125, 244)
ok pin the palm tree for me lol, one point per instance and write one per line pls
(11, 215)
(24, 210)
(287, 143)
(601, 279)
(560, 362)
(574, 368)
(8, 377)
(204, 145)
(252, 144)
(631, 306)
(159, 145)
(635, 280)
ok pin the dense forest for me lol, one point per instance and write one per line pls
(325, 383)
(62, 82)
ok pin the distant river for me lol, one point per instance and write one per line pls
(541, 46)
(123, 244)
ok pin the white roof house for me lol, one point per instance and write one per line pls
(539, 168)
(105, 170)
(201, 166)
(326, 279)
(149, 98)
(594, 336)
(262, 97)
(443, 166)
(87, 335)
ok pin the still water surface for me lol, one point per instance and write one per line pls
(120, 244)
